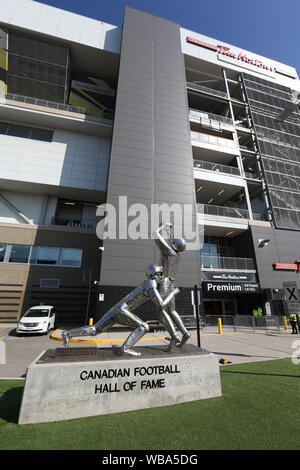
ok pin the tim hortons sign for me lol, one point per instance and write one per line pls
(241, 56)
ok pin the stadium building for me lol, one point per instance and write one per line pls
(150, 113)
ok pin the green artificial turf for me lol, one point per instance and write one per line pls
(258, 410)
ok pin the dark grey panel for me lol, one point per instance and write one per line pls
(151, 156)
(284, 247)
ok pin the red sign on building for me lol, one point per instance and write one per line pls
(286, 267)
(242, 56)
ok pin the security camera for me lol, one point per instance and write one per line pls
(263, 242)
(101, 248)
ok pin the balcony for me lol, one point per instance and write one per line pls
(216, 167)
(52, 105)
(213, 142)
(222, 211)
(247, 149)
(206, 90)
(252, 176)
(209, 120)
(227, 263)
(38, 112)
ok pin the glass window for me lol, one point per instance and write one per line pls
(18, 131)
(33, 254)
(3, 128)
(19, 254)
(37, 312)
(205, 261)
(71, 257)
(41, 134)
(47, 255)
(205, 248)
(2, 251)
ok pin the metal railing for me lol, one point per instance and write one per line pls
(217, 167)
(222, 211)
(246, 149)
(263, 216)
(245, 322)
(208, 118)
(84, 223)
(252, 176)
(232, 212)
(107, 115)
(210, 91)
(209, 323)
(227, 262)
(212, 139)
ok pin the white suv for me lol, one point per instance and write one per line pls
(40, 319)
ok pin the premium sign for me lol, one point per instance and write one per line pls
(225, 51)
(235, 287)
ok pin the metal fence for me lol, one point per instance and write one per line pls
(209, 323)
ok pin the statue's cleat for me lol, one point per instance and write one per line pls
(131, 352)
(66, 338)
(184, 339)
(119, 351)
(172, 344)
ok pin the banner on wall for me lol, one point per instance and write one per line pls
(92, 94)
(3, 61)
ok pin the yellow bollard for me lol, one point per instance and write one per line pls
(220, 325)
(91, 321)
(285, 323)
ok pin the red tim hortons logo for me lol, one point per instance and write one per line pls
(241, 56)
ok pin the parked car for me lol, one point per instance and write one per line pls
(39, 319)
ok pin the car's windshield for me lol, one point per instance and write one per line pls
(37, 312)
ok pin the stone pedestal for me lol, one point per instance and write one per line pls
(66, 384)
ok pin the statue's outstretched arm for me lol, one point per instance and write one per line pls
(163, 245)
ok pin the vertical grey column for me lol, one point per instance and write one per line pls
(151, 156)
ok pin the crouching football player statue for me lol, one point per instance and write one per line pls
(121, 313)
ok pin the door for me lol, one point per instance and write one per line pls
(213, 307)
(229, 307)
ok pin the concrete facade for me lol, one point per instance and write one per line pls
(151, 157)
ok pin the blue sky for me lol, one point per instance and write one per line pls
(267, 27)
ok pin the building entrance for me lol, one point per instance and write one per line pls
(220, 307)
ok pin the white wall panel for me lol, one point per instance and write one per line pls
(62, 24)
(72, 159)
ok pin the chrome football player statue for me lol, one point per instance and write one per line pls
(121, 313)
(170, 250)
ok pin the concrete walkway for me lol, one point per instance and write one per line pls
(236, 347)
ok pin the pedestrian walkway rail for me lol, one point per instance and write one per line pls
(212, 323)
